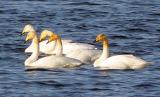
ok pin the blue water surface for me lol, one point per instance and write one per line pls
(132, 26)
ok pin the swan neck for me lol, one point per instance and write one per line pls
(35, 52)
(105, 52)
(32, 43)
(59, 47)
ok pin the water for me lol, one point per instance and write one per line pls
(132, 26)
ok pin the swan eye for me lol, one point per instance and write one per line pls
(23, 33)
(50, 40)
(42, 37)
(98, 38)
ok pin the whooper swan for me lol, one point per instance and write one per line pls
(117, 61)
(68, 45)
(82, 52)
(52, 61)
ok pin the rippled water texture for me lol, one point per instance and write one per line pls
(132, 26)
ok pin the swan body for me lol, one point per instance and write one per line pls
(117, 61)
(122, 62)
(84, 52)
(53, 61)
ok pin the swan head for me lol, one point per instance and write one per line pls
(101, 37)
(30, 36)
(28, 28)
(53, 38)
(44, 34)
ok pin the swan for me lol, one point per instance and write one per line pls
(44, 48)
(68, 45)
(117, 61)
(86, 56)
(52, 61)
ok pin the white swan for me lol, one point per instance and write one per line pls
(53, 61)
(68, 45)
(44, 48)
(117, 61)
(80, 53)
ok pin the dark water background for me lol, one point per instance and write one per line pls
(132, 26)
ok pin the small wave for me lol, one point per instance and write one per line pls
(144, 85)
(84, 3)
(119, 37)
(137, 30)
